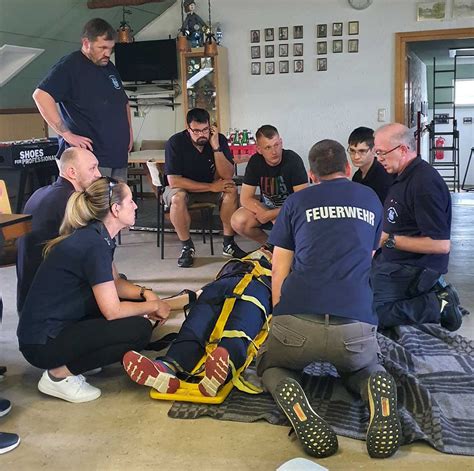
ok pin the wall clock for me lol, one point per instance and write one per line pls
(360, 4)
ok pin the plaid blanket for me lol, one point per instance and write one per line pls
(434, 371)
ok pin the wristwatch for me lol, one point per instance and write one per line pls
(390, 242)
(142, 291)
(217, 150)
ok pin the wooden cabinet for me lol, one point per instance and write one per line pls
(205, 85)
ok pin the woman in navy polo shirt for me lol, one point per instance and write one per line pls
(73, 318)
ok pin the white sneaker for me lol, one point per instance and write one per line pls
(72, 388)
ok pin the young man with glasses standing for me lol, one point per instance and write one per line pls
(407, 274)
(199, 169)
(369, 170)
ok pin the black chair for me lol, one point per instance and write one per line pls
(206, 210)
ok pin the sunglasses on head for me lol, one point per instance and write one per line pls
(111, 182)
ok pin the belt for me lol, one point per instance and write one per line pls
(329, 319)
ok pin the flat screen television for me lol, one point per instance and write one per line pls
(146, 61)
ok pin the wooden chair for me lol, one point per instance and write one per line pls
(206, 210)
(5, 207)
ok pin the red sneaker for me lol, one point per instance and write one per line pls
(217, 369)
(155, 374)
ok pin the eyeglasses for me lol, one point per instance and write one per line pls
(111, 182)
(361, 152)
(196, 132)
(383, 153)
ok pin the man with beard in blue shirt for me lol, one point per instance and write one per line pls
(93, 108)
(324, 238)
(407, 275)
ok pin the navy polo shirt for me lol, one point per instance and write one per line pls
(184, 159)
(61, 293)
(92, 103)
(47, 206)
(332, 228)
(376, 178)
(276, 182)
(418, 204)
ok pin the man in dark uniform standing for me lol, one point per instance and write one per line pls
(370, 172)
(324, 238)
(407, 275)
(78, 168)
(93, 108)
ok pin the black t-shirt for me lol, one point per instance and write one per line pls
(47, 206)
(92, 103)
(61, 292)
(418, 204)
(377, 179)
(332, 228)
(184, 159)
(276, 183)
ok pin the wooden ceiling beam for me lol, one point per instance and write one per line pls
(118, 3)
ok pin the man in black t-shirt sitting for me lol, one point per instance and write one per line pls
(199, 169)
(278, 173)
(407, 275)
(370, 172)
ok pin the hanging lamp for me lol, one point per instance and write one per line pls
(182, 43)
(210, 46)
(125, 31)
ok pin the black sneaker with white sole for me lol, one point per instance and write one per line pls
(8, 442)
(384, 434)
(314, 433)
(186, 259)
(451, 315)
(5, 407)
(232, 250)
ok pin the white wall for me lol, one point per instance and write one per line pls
(313, 105)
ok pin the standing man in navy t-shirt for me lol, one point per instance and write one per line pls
(407, 275)
(324, 238)
(199, 168)
(93, 108)
(278, 173)
(369, 170)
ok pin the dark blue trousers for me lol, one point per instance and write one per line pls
(403, 294)
(188, 348)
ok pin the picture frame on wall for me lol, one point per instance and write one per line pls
(337, 29)
(353, 28)
(283, 50)
(255, 52)
(337, 46)
(298, 66)
(298, 49)
(269, 51)
(431, 11)
(255, 36)
(298, 32)
(269, 34)
(353, 45)
(284, 67)
(463, 9)
(255, 68)
(269, 68)
(322, 64)
(322, 31)
(321, 47)
(283, 33)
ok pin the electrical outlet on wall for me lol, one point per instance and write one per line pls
(382, 115)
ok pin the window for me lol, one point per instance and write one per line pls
(464, 92)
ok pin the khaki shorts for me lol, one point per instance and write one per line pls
(193, 198)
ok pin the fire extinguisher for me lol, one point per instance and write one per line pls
(439, 153)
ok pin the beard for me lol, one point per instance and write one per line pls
(202, 141)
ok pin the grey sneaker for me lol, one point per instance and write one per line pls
(8, 442)
(186, 259)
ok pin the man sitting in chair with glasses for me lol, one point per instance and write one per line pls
(199, 169)
(370, 171)
(407, 274)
